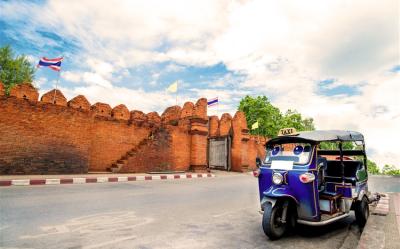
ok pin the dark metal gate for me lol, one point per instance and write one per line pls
(219, 150)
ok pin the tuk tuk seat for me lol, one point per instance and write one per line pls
(334, 169)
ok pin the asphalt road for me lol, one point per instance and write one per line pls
(217, 212)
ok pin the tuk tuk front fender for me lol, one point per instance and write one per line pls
(281, 191)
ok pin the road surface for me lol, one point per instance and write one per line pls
(219, 212)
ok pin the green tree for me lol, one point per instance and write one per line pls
(270, 119)
(390, 170)
(14, 70)
(260, 110)
(372, 167)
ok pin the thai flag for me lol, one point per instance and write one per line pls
(212, 102)
(54, 64)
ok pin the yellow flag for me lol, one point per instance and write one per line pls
(173, 88)
(254, 126)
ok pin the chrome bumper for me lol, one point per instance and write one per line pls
(322, 223)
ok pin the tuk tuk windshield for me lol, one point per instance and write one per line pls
(298, 153)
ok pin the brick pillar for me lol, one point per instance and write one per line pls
(240, 161)
(199, 136)
(244, 149)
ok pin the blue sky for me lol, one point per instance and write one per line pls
(335, 61)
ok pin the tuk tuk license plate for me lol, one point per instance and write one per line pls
(285, 165)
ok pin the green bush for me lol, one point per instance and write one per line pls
(14, 70)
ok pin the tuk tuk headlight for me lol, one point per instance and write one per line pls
(277, 178)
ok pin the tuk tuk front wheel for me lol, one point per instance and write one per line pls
(272, 223)
(362, 211)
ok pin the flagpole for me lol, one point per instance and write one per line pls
(57, 82)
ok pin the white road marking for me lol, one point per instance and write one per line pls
(52, 181)
(79, 180)
(139, 178)
(122, 178)
(102, 179)
(21, 182)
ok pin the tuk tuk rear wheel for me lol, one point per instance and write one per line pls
(361, 211)
(271, 222)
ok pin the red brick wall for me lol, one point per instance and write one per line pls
(180, 146)
(111, 139)
(42, 138)
(213, 126)
(38, 137)
(74, 137)
(55, 97)
(153, 154)
(255, 149)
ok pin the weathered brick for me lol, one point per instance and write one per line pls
(54, 97)
(25, 91)
(120, 112)
(200, 109)
(171, 115)
(79, 102)
(38, 138)
(213, 126)
(153, 118)
(225, 124)
(256, 148)
(42, 139)
(101, 109)
(239, 143)
(187, 110)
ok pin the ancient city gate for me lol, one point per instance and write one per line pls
(219, 153)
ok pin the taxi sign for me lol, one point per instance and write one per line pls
(287, 132)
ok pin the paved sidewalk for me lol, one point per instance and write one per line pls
(383, 230)
(27, 180)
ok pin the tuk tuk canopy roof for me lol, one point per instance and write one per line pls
(320, 136)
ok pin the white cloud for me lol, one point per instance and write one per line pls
(39, 82)
(282, 49)
(75, 77)
(174, 68)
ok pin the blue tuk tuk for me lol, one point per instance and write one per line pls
(301, 183)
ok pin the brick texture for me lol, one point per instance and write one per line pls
(154, 119)
(225, 124)
(187, 110)
(25, 91)
(171, 115)
(239, 143)
(120, 112)
(255, 149)
(47, 137)
(79, 102)
(55, 97)
(101, 109)
(41, 138)
(213, 126)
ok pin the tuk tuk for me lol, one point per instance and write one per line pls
(301, 183)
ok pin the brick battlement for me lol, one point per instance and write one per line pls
(54, 135)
